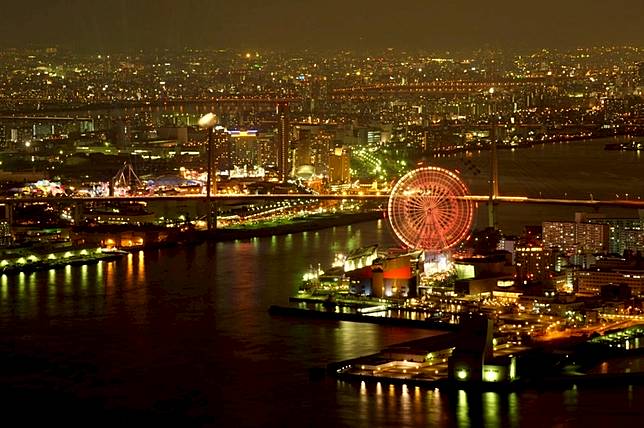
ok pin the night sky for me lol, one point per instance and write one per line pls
(334, 24)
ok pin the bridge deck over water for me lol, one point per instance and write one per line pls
(624, 203)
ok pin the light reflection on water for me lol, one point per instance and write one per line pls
(190, 326)
(3, 287)
(462, 410)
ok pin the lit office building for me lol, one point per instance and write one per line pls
(339, 160)
(623, 234)
(560, 234)
(221, 150)
(321, 143)
(590, 281)
(574, 237)
(302, 153)
(533, 263)
(5, 234)
(267, 149)
(244, 148)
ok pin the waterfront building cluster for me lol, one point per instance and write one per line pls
(561, 257)
(554, 284)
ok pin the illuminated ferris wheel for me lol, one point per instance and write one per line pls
(428, 209)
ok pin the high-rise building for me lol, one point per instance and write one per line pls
(221, 150)
(284, 136)
(245, 150)
(574, 237)
(302, 150)
(301, 155)
(320, 145)
(592, 238)
(560, 234)
(313, 145)
(533, 263)
(623, 234)
(339, 161)
(5, 233)
(268, 150)
(3, 137)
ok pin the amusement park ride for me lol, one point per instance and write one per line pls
(429, 211)
(125, 181)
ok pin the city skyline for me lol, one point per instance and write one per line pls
(281, 25)
(325, 214)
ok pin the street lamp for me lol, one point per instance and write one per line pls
(208, 121)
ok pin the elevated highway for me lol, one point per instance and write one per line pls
(243, 198)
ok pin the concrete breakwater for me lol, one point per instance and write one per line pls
(126, 237)
(55, 259)
(296, 226)
(358, 317)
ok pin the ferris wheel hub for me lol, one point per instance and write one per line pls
(428, 209)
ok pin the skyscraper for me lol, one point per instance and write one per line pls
(339, 161)
(573, 237)
(245, 151)
(222, 150)
(533, 263)
(283, 132)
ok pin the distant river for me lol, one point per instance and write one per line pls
(181, 336)
(572, 170)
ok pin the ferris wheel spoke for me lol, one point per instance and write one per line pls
(417, 203)
(418, 220)
(442, 198)
(444, 215)
(428, 233)
(426, 209)
(438, 232)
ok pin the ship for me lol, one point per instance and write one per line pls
(134, 213)
(627, 145)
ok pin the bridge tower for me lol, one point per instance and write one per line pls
(494, 168)
(494, 179)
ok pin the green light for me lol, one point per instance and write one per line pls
(490, 375)
(513, 368)
(462, 374)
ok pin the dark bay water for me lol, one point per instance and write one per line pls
(182, 337)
